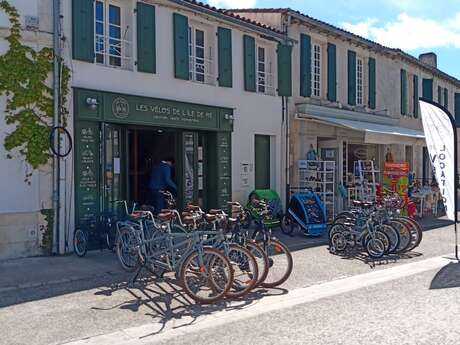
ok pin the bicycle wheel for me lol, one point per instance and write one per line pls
(375, 248)
(288, 225)
(126, 248)
(280, 263)
(262, 261)
(404, 234)
(416, 232)
(64, 145)
(335, 228)
(393, 236)
(338, 242)
(377, 245)
(245, 271)
(206, 277)
(80, 243)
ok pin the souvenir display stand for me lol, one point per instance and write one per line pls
(365, 181)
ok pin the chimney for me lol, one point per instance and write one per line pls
(429, 58)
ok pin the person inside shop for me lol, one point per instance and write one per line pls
(160, 180)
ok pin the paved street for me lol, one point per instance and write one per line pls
(327, 300)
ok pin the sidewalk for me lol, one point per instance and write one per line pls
(41, 273)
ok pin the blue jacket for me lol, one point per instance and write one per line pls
(160, 178)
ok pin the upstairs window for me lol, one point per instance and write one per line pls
(200, 55)
(316, 71)
(111, 46)
(265, 76)
(359, 81)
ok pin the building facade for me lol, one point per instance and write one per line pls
(354, 99)
(157, 79)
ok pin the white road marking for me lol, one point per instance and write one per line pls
(146, 334)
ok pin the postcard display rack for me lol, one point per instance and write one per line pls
(319, 177)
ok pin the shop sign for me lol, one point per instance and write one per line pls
(152, 111)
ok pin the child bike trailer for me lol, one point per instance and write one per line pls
(305, 211)
(273, 201)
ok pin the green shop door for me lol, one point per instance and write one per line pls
(113, 163)
(262, 162)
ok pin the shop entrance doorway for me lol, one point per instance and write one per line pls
(146, 148)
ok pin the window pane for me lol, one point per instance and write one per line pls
(199, 38)
(114, 15)
(115, 31)
(261, 54)
(199, 52)
(99, 11)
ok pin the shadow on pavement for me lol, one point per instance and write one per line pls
(165, 301)
(448, 277)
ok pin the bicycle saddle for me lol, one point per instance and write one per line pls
(215, 211)
(191, 207)
(210, 217)
(166, 216)
(232, 221)
(188, 220)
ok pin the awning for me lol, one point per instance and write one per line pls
(374, 133)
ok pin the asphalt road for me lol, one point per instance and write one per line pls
(89, 309)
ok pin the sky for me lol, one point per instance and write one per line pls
(415, 26)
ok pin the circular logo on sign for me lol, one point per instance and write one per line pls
(120, 108)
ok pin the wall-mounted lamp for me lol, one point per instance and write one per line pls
(229, 117)
(92, 103)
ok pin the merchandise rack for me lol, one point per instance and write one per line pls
(319, 177)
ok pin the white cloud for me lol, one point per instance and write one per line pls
(409, 33)
(232, 3)
(362, 28)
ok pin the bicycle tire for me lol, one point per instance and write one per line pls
(80, 242)
(262, 261)
(404, 235)
(51, 141)
(393, 236)
(242, 270)
(338, 242)
(375, 248)
(279, 247)
(417, 232)
(218, 293)
(128, 259)
(287, 225)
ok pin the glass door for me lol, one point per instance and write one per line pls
(190, 167)
(112, 166)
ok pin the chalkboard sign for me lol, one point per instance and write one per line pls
(87, 173)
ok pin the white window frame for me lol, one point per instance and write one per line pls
(201, 69)
(264, 78)
(359, 81)
(121, 44)
(316, 57)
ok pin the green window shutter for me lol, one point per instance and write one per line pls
(446, 98)
(331, 72)
(351, 77)
(403, 92)
(305, 65)
(372, 83)
(83, 30)
(427, 85)
(284, 70)
(224, 36)
(415, 100)
(146, 56)
(457, 109)
(181, 53)
(249, 51)
(439, 95)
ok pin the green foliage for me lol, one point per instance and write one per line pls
(47, 231)
(29, 108)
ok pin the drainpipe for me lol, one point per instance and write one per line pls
(285, 111)
(56, 122)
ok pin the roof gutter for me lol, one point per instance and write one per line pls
(202, 9)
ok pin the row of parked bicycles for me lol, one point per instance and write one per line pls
(379, 229)
(214, 254)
